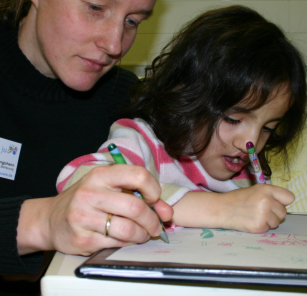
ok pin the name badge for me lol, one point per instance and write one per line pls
(9, 155)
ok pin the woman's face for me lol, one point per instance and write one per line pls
(226, 154)
(78, 41)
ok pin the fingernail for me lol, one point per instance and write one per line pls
(130, 244)
(158, 230)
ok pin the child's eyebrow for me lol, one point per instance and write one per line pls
(271, 120)
(250, 112)
(275, 119)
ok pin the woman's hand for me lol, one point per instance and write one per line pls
(74, 221)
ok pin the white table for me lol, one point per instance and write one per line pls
(60, 280)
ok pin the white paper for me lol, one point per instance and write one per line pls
(284, 247)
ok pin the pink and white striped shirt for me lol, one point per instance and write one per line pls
(140, 146)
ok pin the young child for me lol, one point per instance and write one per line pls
(227, 78)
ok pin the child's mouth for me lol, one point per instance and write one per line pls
(234, 164)
(235, 160)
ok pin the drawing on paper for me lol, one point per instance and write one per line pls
(223, 247)
(206, 233)
(225, 244)
(284, 239)
(299, 259)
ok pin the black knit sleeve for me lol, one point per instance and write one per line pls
(10, 261)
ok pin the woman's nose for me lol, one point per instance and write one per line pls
(110, 39)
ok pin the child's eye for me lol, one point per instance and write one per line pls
(231, 120)
(269, 130)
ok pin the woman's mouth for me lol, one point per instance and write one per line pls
(92, 65)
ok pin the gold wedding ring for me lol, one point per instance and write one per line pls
(108, 224)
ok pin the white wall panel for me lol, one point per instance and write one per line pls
(170, 15)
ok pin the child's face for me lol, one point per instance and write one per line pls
(226, 154)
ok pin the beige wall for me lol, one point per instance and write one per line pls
(169, 15)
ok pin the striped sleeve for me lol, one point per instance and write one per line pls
(139, 146)
(126, 136)
(79, 167)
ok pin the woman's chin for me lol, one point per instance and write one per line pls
(81, 84)
(81, 81)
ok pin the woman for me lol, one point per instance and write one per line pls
(59, 83)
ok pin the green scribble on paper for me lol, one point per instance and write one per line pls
(299, 259)
(222, 229)
(253, 248)
(207, 233)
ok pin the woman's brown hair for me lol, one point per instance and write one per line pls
(12, 11)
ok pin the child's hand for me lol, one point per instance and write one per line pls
(258, 208)
(254, 209)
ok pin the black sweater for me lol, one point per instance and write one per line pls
(54, 124)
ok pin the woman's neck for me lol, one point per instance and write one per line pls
(29, 43)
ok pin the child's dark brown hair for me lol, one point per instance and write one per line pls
(218, 60)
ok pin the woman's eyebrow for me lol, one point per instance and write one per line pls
(145, 12)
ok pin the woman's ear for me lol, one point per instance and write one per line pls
(35, 3)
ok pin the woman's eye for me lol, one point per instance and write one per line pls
(94, 7)
(231, 120)
(132, 23)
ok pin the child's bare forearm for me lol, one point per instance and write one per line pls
(254, 209)
(200, 209)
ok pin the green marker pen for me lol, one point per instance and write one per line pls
(119, 159)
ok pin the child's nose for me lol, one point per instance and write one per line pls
(240, 142)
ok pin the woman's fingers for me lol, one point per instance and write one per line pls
(75, 221)
(117, 203)
(126, 230)
(164, 211)
(111, 200)
(129, 177)
(79, 215)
